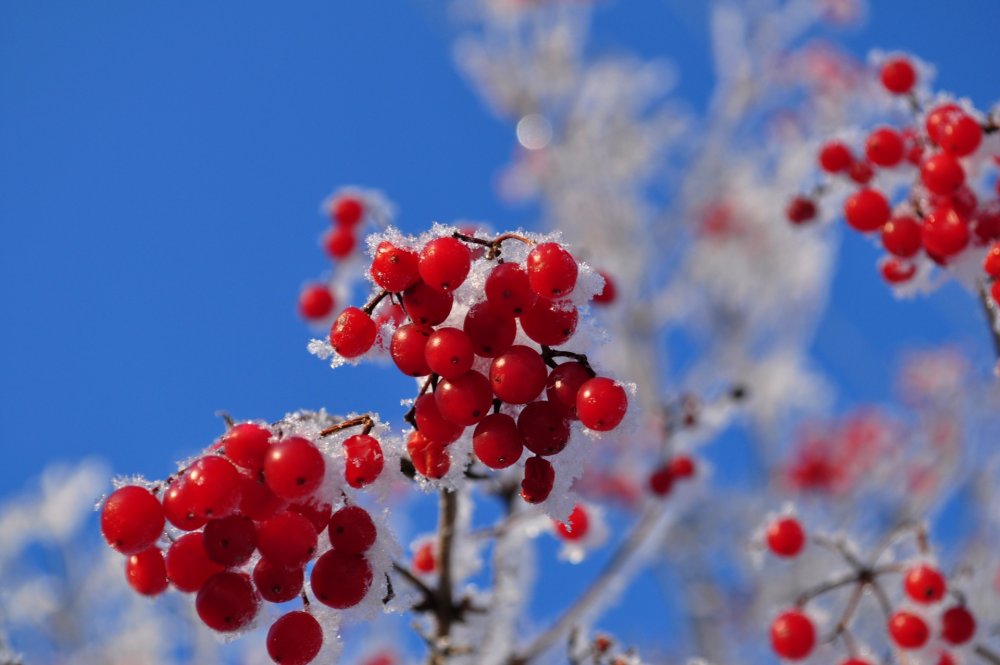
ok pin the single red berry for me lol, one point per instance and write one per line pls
(785, 537)
(576, 525)
(963, 200)
(897, 271)
(212, 487)
(508, 289)
(543, 427)
(353, 333)
(227, 602)
(449, 353)
(490, 330)
(898, 75)
(960, 135)
(945, 233)
(924, 584)
(563, 385)
(551, 270)
(429, 458)
(341, 579)
(550, 322)
(424, 561)
(178, 507)
(132, 519)
(942, 174)
(835, 157)
(661, 481)
(793, 635)
(364, 460)
(294, 639)
(352, 530)
(432, 424)
(908, 630)
(913, 147)
(146, 572)
(682, 466)
(231, 540)
(408, 347)
(938, 117)
(444, 263)
(315, 302)
(339, 242)
(957, 625)
(393, 268)
(986, 223)
(287, 539)
(539, 477)
(601, 404)
(294, 468)
(860, 171)
(800, 209)
(277, 584)
(316, 511)
(991, 264)
(257, 501)
(519, 375)
(427, 305)
(608, 292)
(348, 211)
(465, 400)
(884, 147)
(187, 563)
(496, 441)
(246, 445)
(867, 210)
(901, 236)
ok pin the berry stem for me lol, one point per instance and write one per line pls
(365, 420)
(549, 355)
(494, 246)
(373, 303)
(227, 419)
(411, 415)
(990, 309)
(987, 654)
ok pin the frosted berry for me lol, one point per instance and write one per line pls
(227, 602)
(131, 519)
(490, 330)
(576, 525)
(287, 539)
(564, 383)
(277, 584)
(245, 445)
(347, 211)
(957, 625)
(835, 157)
(496, 441)
(393, 268)
(793, 635)
(212, 487)
(897, 271)
(924, 584)
(519, 375)
(429, 458)
(601, 404)
(294, 639)
(364, 460)
(230, 541)
(942, 173)
(352, 530)
(187, 563)
(960, 135)
(551, 270)
(991, 264)
(449, 353)
(785, 537)
(178, 508)
(146, 572)
(434, 426)
(339, 242)
(315, 302)
(407, 348)
(508, 289)
(314, 510)
(353, 333)
(884, 147)
(427, 305)
(341, 579)
(543, 428)
(898, 75)
(444, 263)
(908, 630)
(945, 233)
(539, 477)
(901, 236)
(866, 210)
(608, 292)
(938, 117)
(550, 322)
(800, 209)
(465, 400)
(294, 468)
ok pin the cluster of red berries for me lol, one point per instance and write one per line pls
(347, 212)
(942, 216)
(474, 371)
(244, 524)
(661, 481)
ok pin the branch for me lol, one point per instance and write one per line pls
(991, 316)
(987, 654)
(444, 605)
(365, 420)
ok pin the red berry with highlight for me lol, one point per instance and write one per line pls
(497, 442)
(294, 468)
(393, 268)
(449, 353)
(793, 635)
(867, 210)
(230, 541)
(287, 539)
(543, 427)
(187, 563)
(945, 233)
(552, 271)
(835, 157)
(519, 375)
(364, 460)
(539, 477)
(146, 572)
(352, 530)
(509, 290)
(960, 135)
(924, 584)
(434, 426)
(277, 584)
(341, 579)
(490, 330)
(550, 322)
(884, 147)
(908, 630)
(315, 302)
(785, 537)
(444, 263)
(131, 519)
(427, 305)
(564, 383)
(464, 400)
(430, 459)
(227, 602)
(353, 333)
(408, 347)
(294, 639)
(942, 174)
(601, 404)
(901, 236)
(898, 75)
(576, 525)
(245, 445)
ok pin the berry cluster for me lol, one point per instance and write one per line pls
(241, 524)
(940, 218)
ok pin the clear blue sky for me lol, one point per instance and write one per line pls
(161, 166)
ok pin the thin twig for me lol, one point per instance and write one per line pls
(444, 609)
(987, 654)
(991, 317)
(365, 420)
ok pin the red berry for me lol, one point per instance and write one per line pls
(866, 210)
(991, 264)
(496, 441)
(945, 233)
(898, 75)
(995, 292)
(434, 426)
(394, 268)
(230, 541)
(227, 602)
(317, 512)
(785, 537)
(552, 270)
(429, 458)
(339, 242)
(942, 173)
(178, 508)
(901, 236)
(550, 322)
(257, 501)
(409, 343)
(352, 530)
(682, 466)
(608, 292)
(315, 302)
(963, 200)
(187, 563)
(287, 539)
(539, 476)
(960, 135)
(800, 210)
(490, 330)
(364, 460)
(294, 468)
(427, 305)
(294, 639)
(543, 428)
(424, 560)
(576, 525)
(519, 375)
(897, 271)
(563, 385)
(246, 445)
(661, 481)
(353, 333)
(938, 117)
(912, 146)
(508, 289)
(860, 172)
(835, 157)
(986, 224)
(341, 579)
(131, 519)
(924, 584)
(213, 487)
(146, 572)
(855, 661)
(957, 625)
(347, 211)
(465, 400)
(884, 147)
(601, 404)
(449, 353)
(445, 263)
(793, 635)
(277, 584)
(908, 630)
